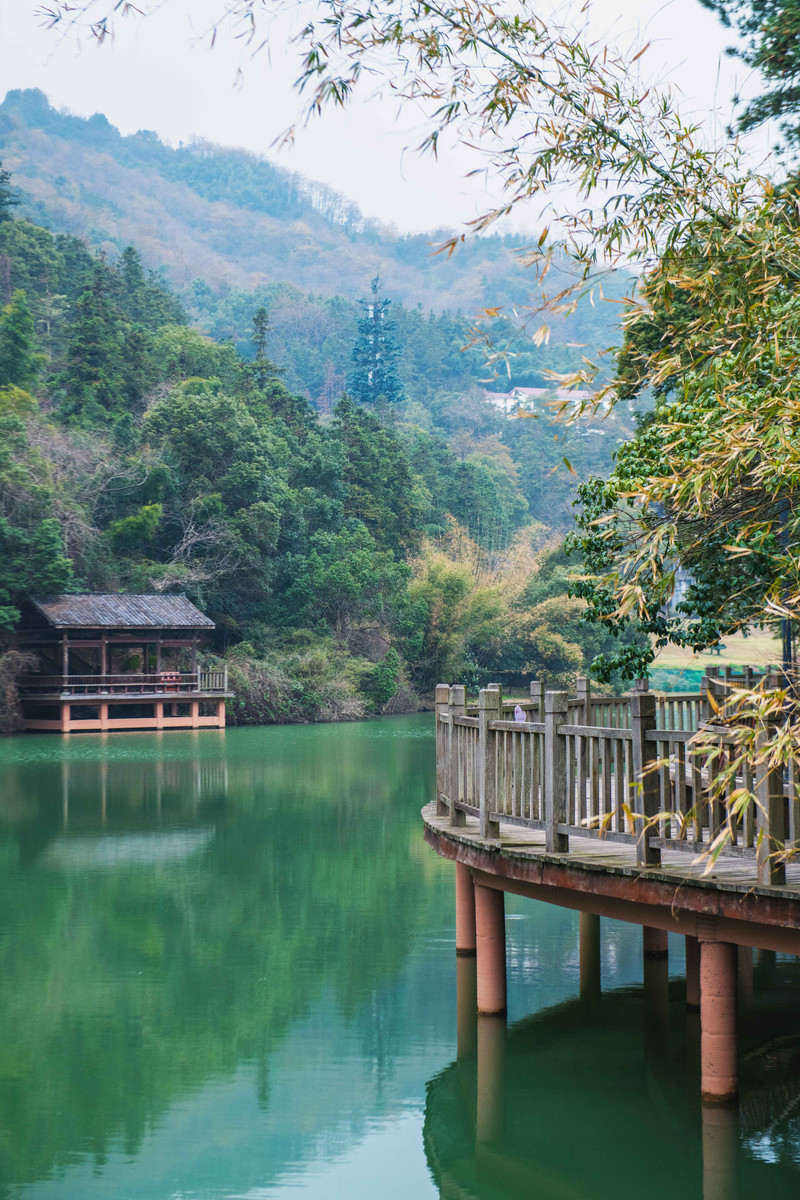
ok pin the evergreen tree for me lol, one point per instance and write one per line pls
(8, 197)
(19, 364)
(263, 368)
(375, 353)
(771, 30)
(93, 378)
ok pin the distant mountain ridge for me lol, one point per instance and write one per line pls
(232, 218)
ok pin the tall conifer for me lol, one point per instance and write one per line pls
(375, 353)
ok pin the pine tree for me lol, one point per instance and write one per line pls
(263, 368)
(8, 197)
(375, 353)
(19, 363)
(93, 378)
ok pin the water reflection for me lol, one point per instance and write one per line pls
(593, 1097)
(173, 911)
(228, 970)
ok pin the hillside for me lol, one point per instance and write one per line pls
(238, 221)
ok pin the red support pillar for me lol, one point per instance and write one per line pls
(719, 1080)
(465, 910)
(490, 942)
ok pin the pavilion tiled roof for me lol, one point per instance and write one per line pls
(117, 611)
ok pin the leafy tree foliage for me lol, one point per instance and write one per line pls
(8, 196)
(322, 546)
(19, 363)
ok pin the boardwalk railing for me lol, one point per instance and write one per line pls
(617, 767)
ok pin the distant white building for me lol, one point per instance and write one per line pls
(534, 399)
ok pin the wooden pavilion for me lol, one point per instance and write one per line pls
(114, 662)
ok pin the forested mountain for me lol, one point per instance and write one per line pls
(231, 218)
(350, 553)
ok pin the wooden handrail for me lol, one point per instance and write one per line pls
(612, 779)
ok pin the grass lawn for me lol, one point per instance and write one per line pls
(758, 649)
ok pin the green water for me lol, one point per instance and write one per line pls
(228, 971)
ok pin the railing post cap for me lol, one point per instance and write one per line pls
(556, 702)
(458, 694)
(442, 693)
(489, 697)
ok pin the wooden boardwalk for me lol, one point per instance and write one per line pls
(601, 804)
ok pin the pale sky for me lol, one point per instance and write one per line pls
(160, 74)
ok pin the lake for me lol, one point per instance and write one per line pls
(228, 970)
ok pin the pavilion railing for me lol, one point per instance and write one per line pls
(548, 763)
(124, 684)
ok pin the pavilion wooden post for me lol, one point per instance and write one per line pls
(556, 707)
(104, 654)
(489, 709)
(457, 707)
(441, 709)
(221, 714)
(645, 754)
(64, 655)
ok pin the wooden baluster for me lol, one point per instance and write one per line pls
(443, 740)
(770, 794)
(457, 702)
(605, 766)
(619, 785)
(715, 767)
(489, 709)
(644, 755)
(556, 708)
(794, 804)
(749, 819)
(680, 787)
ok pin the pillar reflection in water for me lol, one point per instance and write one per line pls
(655, 970)
(720, 1152)
(589, 936)
(466, 1007)
(491, 1089)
